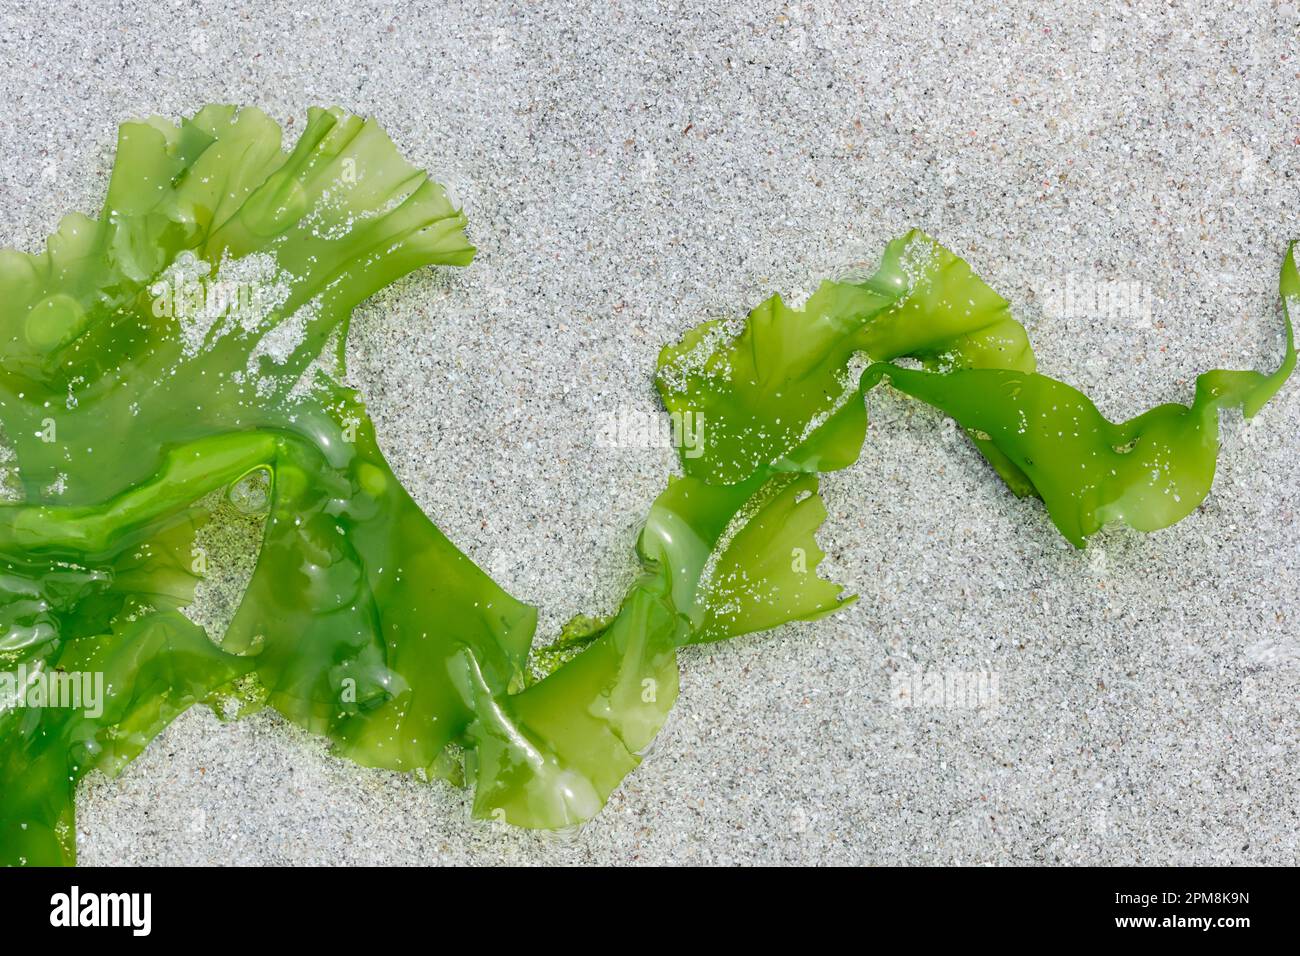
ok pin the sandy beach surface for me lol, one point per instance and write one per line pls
(1127, 176)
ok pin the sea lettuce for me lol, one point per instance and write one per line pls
(780, 393)
(162, 352)
(174, 347)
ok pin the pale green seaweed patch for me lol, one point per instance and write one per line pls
(164, 352)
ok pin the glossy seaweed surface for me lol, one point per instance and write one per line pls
(172, 348)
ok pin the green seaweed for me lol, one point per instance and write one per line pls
(781, 391)
(162, 352)
(170, 349)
